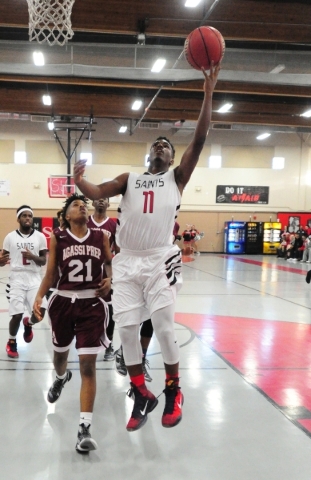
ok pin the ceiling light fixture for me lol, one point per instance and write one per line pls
(307, 114)
(46, 99)
(123, 129)
(225, 108)
(158, 65)
(137, 104)
(278, 69)
(192, 3)
(38, 59)
(51, 125)
(263, 136)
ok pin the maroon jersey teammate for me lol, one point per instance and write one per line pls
(76, 308)
(100, 221)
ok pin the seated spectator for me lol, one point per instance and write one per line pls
(289, 247)
(295, 252)
(281, 250)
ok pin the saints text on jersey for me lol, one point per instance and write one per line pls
(158, 182)
(23, 245)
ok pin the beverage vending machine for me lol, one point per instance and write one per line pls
(271, 237)
(234, 238)
(254, 237)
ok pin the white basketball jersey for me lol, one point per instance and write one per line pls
(15, 242)
(147, 211)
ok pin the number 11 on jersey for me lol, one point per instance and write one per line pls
(149, 200)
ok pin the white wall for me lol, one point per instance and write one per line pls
(290, 188)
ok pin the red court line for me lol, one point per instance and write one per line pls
(265, 264)
(273, 356)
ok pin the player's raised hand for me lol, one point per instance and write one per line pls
(211, 78)
(78, 170)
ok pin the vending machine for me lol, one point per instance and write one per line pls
(271, 237)
(234, 238)
(254, 238)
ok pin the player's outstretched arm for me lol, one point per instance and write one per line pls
(48, 279)
(114, 187)
(191, 155)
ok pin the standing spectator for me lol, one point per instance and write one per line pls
(195, 235)
(307, 250)
(302, 230)
(26, 249)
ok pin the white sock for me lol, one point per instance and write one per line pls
(12, 337)
(62, 377)
(86, 418)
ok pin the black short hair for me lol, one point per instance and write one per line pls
(68, 202)
(19, 208)
(172, 146)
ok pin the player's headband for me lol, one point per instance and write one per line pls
(23, 210)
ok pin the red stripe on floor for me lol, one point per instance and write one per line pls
(265, 264)
(273, 355)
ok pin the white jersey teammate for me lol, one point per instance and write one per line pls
(146, 272)
(25, 249)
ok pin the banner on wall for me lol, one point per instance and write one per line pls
(45, 225)
(4, 188)
(294, 221)
(242, 194)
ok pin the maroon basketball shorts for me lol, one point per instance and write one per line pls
(85, 319)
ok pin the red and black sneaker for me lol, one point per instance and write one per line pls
(144, 403)
(11, 348)
(28, 333)
(172, 413)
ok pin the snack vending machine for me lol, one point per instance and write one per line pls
(254, 237)
(234, 238)
(271, 237)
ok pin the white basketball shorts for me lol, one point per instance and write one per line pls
(143, 282)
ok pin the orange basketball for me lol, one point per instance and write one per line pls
(203, 46)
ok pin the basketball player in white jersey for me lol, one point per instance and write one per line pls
(146, 272)
(26, 249)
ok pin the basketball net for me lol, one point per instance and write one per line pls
(50, 21)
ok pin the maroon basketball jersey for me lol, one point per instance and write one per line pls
(79, 260)
(108, 226)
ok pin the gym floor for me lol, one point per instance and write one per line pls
(243, 325)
